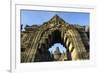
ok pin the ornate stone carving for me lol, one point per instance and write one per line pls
(36, 40)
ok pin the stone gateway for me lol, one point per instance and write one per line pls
(36, 40)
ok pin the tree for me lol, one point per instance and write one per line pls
(21, 27)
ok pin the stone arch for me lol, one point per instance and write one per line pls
(40, 39)
(70, 39)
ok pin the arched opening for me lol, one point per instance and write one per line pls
(43, 52)
(58, 52)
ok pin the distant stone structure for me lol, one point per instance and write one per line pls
(36, 40)
(58, 56)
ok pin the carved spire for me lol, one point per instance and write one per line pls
(57, 20)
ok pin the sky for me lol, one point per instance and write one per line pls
(61, 48)
(33, 17)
